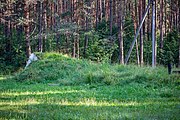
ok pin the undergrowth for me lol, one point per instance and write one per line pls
(63, 70)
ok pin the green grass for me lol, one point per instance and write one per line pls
(59, 87)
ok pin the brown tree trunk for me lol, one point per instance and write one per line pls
(26, 27)
(100, 10)
(165, 17)
(45, 24)
(78, 49)
(133, 15)
(40, 41)
(74, 47)
(86, 29)
(57, 25)
(161, 24)
(110, 17)
(97, 13)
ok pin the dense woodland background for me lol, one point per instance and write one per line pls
(99, 30)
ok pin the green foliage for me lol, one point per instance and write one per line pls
(63, 70)
(100, 50)
(100, 47)
(12, 60)
(170, 52)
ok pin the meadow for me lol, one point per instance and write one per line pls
(60, 87)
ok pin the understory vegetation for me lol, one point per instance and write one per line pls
(59, 87)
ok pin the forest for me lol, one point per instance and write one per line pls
(98, 30)
(95, 59)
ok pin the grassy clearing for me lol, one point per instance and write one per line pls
(59, 87)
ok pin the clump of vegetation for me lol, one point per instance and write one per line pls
(63, 70)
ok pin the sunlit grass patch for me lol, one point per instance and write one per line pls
(59, 87)
(39, 93)
(2, 77)
(40, 101)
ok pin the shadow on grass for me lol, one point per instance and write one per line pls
(40, 101)
(58, 111)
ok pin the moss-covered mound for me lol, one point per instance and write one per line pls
(60, 69)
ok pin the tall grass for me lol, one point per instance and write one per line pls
(63, 70)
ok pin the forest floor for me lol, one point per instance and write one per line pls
(59, 87)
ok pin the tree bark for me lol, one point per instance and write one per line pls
(45, 24)
(120, 33)
(153, 36)
(26, 27)
(86, 29)
(135, 23)
(111, 18)
(40, 41)
(141, 34)
(57, 25)
(97, 12)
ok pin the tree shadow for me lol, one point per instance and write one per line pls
(48, 111)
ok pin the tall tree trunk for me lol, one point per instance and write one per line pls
(107, 10)
(97, 13)
(110, 18)
(153, 36)
(103, 8)
(57, 25)
(45, 24)
(40, 41)
(78, 49)
(86, 29)
(179, 30)
(141, 34)
(179, 53)
(165, 17)
(171, 17)
(135, 22)
(26, 27)
(120, 33)
(148, 25)
(155, 32)
(161, 24)
(74, 47)
(100, 10)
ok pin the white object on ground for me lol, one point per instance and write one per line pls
(32, 58)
